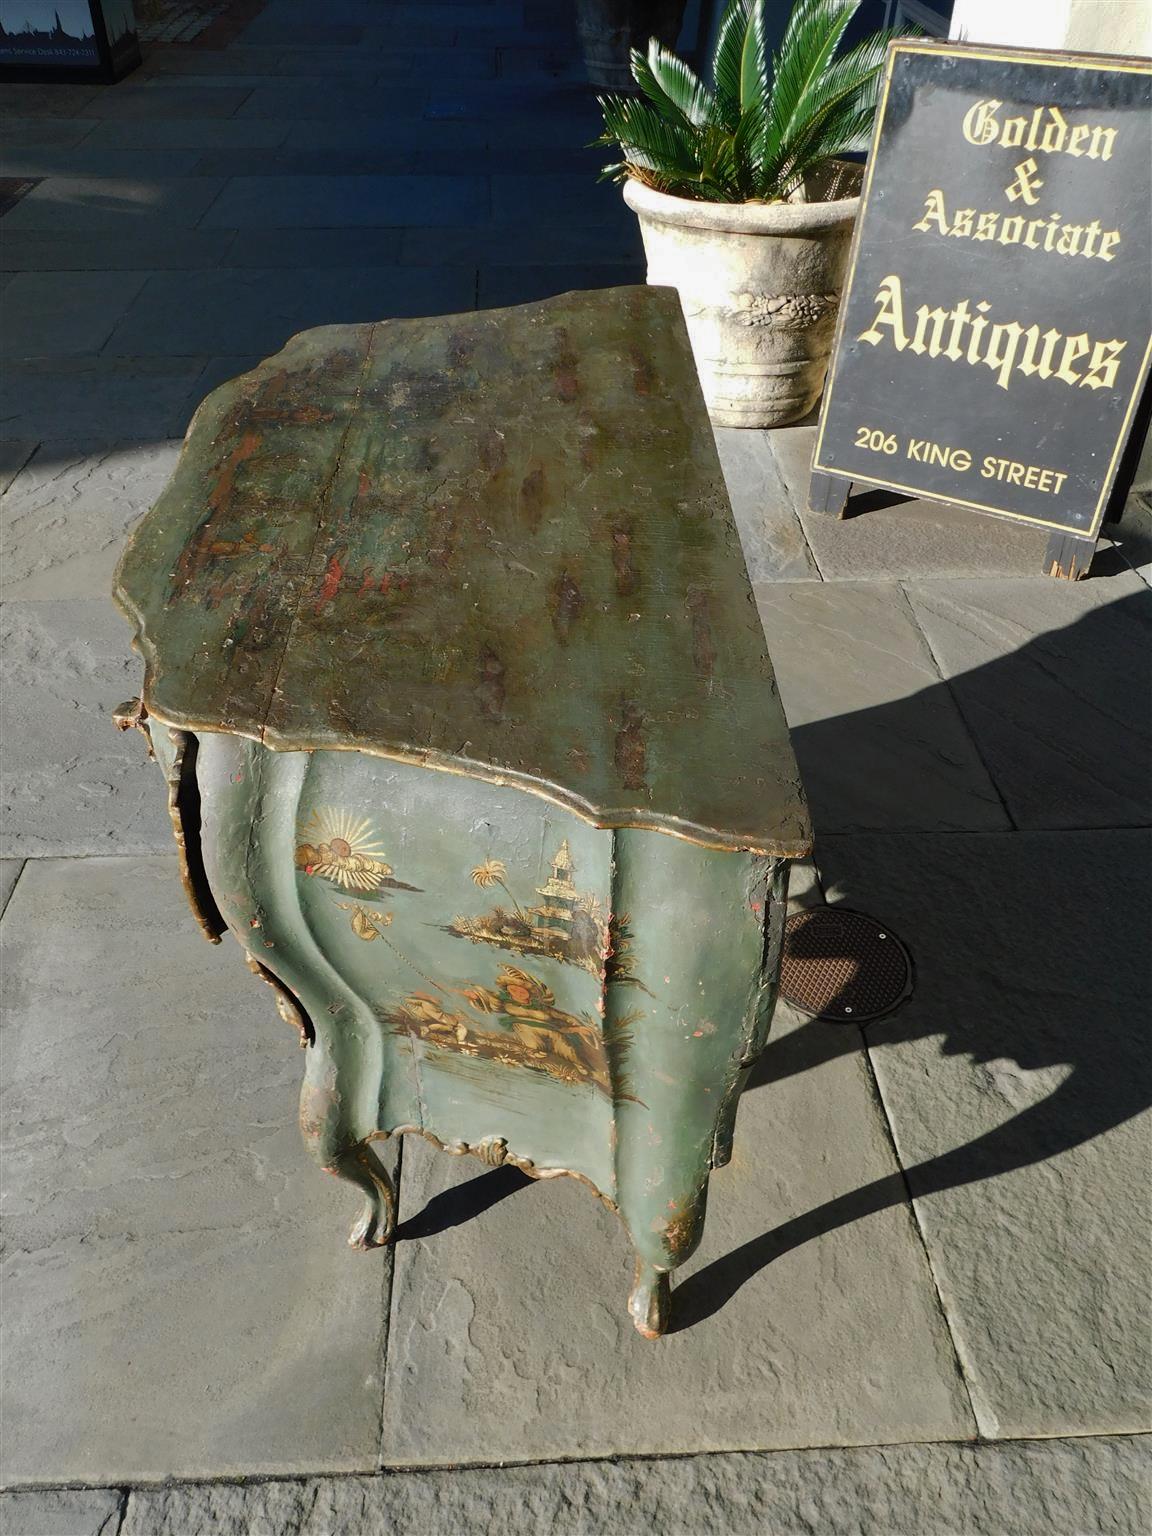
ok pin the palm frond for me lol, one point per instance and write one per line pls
(754, 78)
(647, 137)
(680, 85)
(726, 60)
(812, 36)
(762, 129)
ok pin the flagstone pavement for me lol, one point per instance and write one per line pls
(921, 1301)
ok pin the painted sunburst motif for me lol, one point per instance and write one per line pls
(337, 845)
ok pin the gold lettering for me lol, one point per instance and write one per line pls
(962, 221)
(1052, 142)
(890, 298)
(1025, 183)
(1001, 350)
(1027, 364)
(1069, 241)
(960, 318)
(1075, 347)
(938, 317)
(934, 209)
(1105, 361)
(1076, 137)
(1011, 230)
(1108, 243)
(980, 125)
(978, 325)
(986, 226)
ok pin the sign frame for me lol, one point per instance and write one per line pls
(1070, 549)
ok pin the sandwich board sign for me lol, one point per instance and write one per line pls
(995, 331)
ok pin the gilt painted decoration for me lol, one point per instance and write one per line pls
(514, 1020)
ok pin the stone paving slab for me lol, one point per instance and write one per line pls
(20, 99)
(368, 160)
(60, 251)
(193, 133)
(292, 100)
(912, 539)
(498, 286)
(324, 202)
(72, 783)
(312, 248)
(528, 242)
(92, 160)
(1054, 680)
(248, 310)
(48, 313)
(1031, 1488)
(111, 205)
(65, 519)
(879, 739)
(14, 454)
(1133, 534)
(558, 200)
(62, 1512)
(152, 100)
(9, 874)
(510, 1340)
(179, 1300)
(1018, 1086)
(86, 396)
(775, 548)
(46, 132)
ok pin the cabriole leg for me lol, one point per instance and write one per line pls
(650, 1300)
(330, 1142)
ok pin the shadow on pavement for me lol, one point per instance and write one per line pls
(1065, 950)
(1059, 984)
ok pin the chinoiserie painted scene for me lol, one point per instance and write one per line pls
(508, 835)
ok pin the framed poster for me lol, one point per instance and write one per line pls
(995, 330)
(59, 40)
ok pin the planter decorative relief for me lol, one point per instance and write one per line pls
(759, 284)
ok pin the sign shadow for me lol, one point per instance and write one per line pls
(1082, 1014)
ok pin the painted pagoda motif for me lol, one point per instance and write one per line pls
(566, 924)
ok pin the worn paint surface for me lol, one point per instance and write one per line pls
(495, 973)
(497, 543)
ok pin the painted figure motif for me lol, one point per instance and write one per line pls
(517, 1022)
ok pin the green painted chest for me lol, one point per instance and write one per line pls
(472, 741)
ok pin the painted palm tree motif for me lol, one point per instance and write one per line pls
(566, 924)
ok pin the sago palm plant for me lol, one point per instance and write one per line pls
(762, 127)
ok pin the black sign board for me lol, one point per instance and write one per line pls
(996, 327)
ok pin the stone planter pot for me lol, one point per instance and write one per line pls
(610, 29)
(760, 286)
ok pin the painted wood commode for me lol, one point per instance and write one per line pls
(473, 743)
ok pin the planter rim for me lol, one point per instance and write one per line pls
(740, 218)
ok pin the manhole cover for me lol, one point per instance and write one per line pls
(843, 966)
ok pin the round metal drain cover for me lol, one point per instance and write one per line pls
(843, 966)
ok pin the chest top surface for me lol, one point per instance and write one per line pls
(496, 543)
